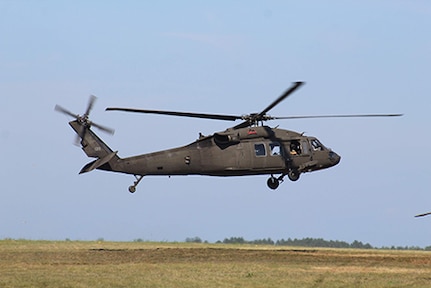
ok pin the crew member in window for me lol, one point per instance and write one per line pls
(294, 148)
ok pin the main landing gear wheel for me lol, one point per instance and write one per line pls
(293, 175)
(132, 189)
(273, 182)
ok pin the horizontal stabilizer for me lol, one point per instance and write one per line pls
(97, 163)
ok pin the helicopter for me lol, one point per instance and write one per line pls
(248, 148)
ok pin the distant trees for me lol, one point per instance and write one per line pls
(305, 242)
(193, 240)
(234, 240)
(240, 240)
(319, 242)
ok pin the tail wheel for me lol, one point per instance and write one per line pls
(132, 188)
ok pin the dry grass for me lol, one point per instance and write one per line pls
(106, 264)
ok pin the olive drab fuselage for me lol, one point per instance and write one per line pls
(235, 152)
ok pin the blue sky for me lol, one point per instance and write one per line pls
(232, 57)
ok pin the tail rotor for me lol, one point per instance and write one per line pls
(83, 120)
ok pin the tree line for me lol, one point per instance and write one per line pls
(305, 242)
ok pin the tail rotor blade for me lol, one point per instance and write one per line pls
(65, 111)
(103, 128)
(90, 104)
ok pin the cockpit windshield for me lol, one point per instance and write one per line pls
(317, 146)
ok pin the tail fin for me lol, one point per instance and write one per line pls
(94, 147)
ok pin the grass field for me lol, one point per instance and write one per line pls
(141, 264)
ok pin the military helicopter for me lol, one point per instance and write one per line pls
(249, 148)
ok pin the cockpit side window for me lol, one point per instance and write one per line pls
(317, 146)
(259, 149)
(275, 148)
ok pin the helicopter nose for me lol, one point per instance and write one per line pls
(334, 158)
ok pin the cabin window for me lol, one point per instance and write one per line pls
(259, 149)
(317, 146)
(295, 148)
(275, 149)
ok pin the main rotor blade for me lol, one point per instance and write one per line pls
(336, 116)
(176, 113)
(424, 214)
(242, 125)
(65, 111)
(289, 91)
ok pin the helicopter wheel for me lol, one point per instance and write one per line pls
(273, 182)
(293, 175)
(132, 188)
